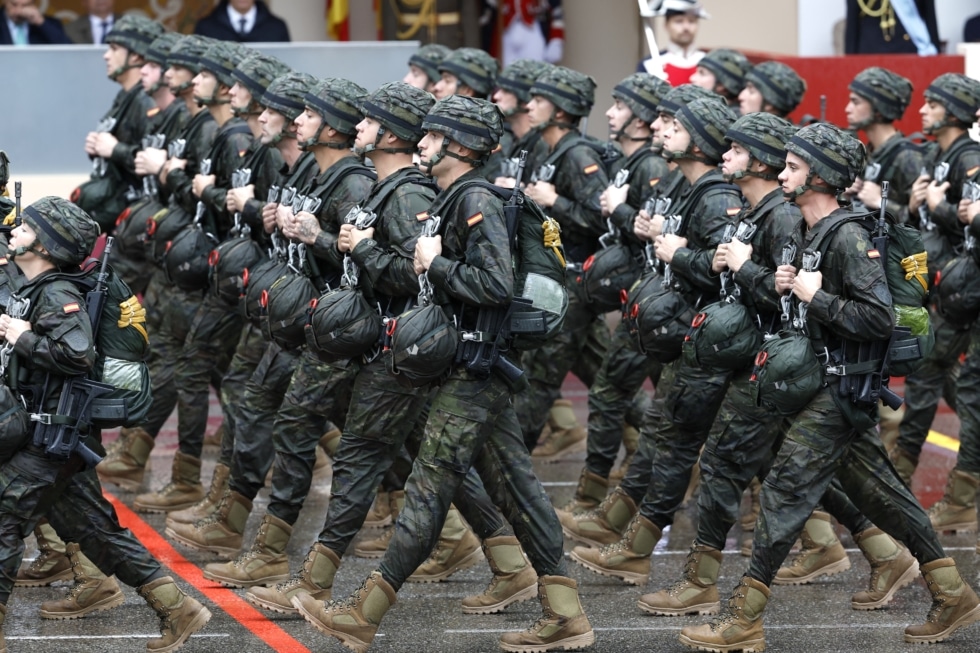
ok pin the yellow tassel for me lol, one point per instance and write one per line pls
(552, 238)
(132, 313)
(917, 266)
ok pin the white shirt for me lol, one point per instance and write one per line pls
(236, 19)
(14, 30)
(97, 32)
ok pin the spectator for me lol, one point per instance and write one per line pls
(971, 30)
(680, 58)
(894, 27)
(245, 21)
(93, 26)
(22, 23)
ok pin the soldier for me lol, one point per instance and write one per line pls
(848, 301)
(569, 192)
(723, 71)
(696, 140)
(114, 144)
(423, 66)
(624, 367)
(212, 330)
(51, 342)
(951, 102)
(512, 95)
(466, 71)
(773, 87)
(125, 466)
(469, 265)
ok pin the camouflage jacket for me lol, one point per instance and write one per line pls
(231, 143)
(386, 260)
(266, 165)
(199, 134)
(707, 207)
(778, 225)
(901, 162)
(475, 268)
(510, 148)
(963, 156)
(130, 109)
(673, 185)
(854, 302)
(170, 122)
(646, 169)
(579, 180)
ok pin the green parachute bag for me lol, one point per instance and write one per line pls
(723, 337)
(787, 374)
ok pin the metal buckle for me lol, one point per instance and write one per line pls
(41, 418)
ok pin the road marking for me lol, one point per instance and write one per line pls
(250, 618)
(943, 441)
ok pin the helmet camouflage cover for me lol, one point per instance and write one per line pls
(221, 58)
(472, 67)
(569, 90)
(256, 71)
(764, 136)
(518, 77)
(830, 151)
(428, 57)
(684, 94)
(287, 94)
(135, 33)
(187, 52)
(62, 228)
(779, 84)
(958, 93)
(159, 50)
(401, 108)
(338, 102)
(729, 68)
(642, 93)
(471, 122)
(889, 93)
(707, 121)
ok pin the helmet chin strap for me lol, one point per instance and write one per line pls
(945, 122)
(552, 122)
(376, 146)
(746, 172)
(621, 135)
(809, 185)
(686, 153)
(23, 249)
(315, 141)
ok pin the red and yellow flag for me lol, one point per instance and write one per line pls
(338, 20)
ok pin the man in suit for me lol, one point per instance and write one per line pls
(93, 26)
(22, 23)
(245, 21)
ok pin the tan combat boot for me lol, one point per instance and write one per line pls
(696, 593)
(957, 510)
(50, 565)
(376, 547)
(739, 627)
(822, 554)
(354, 621)
(126, 465)
(892, 568)
(889, 420)
(954, 604)
(380, 513)
(180, 615)
(590, 492)
(183, 490)
(748, 517)
(631, 442)
(458, 548)
(263, 564)
(566, 437)
(904, 463)
(220, 533)
(563, 624)
(315, 579)
(605, 524)
(330, 440)
(119, 443)
(627, 559)
(93, 591)
(206, 506)
(214, 438)
(513, 579)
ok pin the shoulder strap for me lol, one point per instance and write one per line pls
(698, 192)
(562, 148)
(225, 134)
(390, 184)
(823, 243)
(336, 176)
(128, 99)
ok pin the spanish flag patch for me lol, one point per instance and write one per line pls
(152, 112)
(732, 211)
(655, 181)
(873, 253)
(424, 215)
(590, 169)
(3, 260)
(241, 153)
(71, 308)
(474, 219)
(972, 171)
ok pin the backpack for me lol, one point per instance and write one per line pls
(787, 374)
(958, 291)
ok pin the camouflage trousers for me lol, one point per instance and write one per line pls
(820, 444)
(968, 406)
(206, 352)
(177, 314)
(155, 299)
(259, 404)
(616, 397)
(690, 406)
(579, 348)
(33, 486)
(318, 393)
(472, 423)
(637, 478)
(934, 380)
(248, 354)
(381, 418)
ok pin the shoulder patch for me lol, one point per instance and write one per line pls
(655, 181)
(71, 308)
(474, 219)
(424, 215)
(733, 210)
(152, 112)
(972, 171)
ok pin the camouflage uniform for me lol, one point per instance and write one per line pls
(517, 79)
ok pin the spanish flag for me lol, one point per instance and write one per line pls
(338, 20)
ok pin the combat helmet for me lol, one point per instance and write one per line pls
(220, 59)
(337, 102)
(679, 96)
(729, 68)
(400, 108)
(287, 95)
(255, 72)
(779, 85)
(135, 33)
(159, 49)
(831, 153)
(764, 136)
(518, 77)
(473, 67)
(707, 121)
(569, 90)
(65, 231)
(428, 57)
(960, 95)
(473, 123)
(887, 92)
(642, 93)
(187, 52)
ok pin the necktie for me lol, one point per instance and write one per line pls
(105, 31)
(20, 34)
(242, 22)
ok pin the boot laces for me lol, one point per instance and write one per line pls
(623, 542)
(687, 579)
(351, 601)
(732, 610)
(42, 559)
(938, 602)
